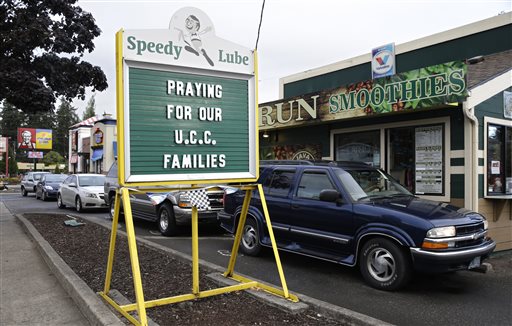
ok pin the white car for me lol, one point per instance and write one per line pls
(82, 191)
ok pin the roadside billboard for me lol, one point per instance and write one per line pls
(186, 105)
(31, 138)
(35, 154)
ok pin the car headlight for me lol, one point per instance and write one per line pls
(184, 201)
(90, 195)
(442, 232)
(435, 237)
(48, 187)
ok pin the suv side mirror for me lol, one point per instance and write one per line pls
(330, 195)
(72, 185)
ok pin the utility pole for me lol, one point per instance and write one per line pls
(7, 156)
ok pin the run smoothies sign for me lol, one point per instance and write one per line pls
(186, 105)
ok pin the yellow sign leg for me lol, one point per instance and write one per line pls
(113, 235)
(134, 258)
(273, 240)
(238, 234)
(195, 252)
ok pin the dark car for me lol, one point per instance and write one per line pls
(354, 214)
(48, 186)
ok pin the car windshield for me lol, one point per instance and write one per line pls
(364, 184)
(37, 176)
(91, 180)
(56, 178)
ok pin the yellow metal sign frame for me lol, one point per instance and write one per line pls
(141, 305)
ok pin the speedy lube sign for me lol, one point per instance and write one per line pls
(186, 105)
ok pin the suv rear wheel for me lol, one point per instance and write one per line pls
(384, 265)
(166, 221)
(24, 192)
(250, 243)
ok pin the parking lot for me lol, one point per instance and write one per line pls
(461, 298)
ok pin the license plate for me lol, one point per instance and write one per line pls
(474, 263)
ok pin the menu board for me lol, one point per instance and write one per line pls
(429, 160)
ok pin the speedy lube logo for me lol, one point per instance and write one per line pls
(189, 41)
(141, 46)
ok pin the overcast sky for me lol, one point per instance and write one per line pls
(295, 35)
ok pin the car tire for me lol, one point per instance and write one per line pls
(250, 242)
(78, 205)
(111, 202)
(60, 204)
(384, 265)
(166, 220)
(24, 192)
(43, 196)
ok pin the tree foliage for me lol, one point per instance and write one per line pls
(66, 117)
(53, 157)
(43, 43)
(90, 109)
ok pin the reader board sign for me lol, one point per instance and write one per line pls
(186, 105)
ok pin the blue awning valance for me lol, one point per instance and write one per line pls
(97, 154)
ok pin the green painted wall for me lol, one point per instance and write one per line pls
(492, 107)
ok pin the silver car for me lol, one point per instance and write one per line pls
(82, 191)
(29, 182)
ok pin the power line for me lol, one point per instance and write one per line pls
(259, 27)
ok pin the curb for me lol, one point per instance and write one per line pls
(98, 313)
(88, 302)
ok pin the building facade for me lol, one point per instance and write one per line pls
(92, 145)
(442, 125)
(103, 144)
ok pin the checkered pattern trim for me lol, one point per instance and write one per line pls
(199, 198)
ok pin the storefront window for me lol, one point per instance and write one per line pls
(359, 146)
(416, 158)
(429, 167)
(401, 159)
(499, 160)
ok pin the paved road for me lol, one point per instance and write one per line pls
(462, 298)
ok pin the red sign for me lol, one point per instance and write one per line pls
(26, 138)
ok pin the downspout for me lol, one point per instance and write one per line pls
(471, 159)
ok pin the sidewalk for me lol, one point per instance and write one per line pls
(30, 292)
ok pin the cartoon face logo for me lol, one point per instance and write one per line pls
(192, 24)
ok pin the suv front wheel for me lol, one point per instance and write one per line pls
(166, 221)
(384, 265)
(24, 192)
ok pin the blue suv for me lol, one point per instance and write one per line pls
(357, 215)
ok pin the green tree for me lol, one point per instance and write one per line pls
(52, 158)
(43, 43)
(11, 120)
(90, 109)
(66, 117)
